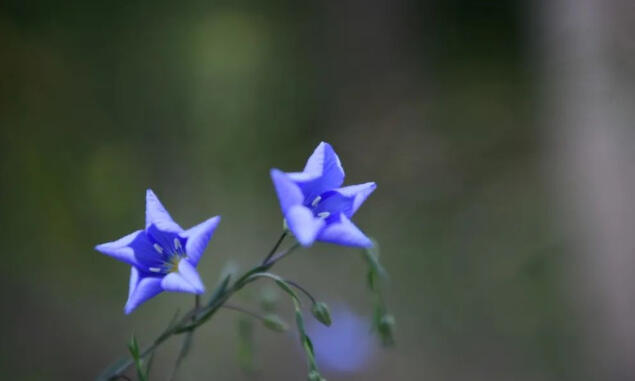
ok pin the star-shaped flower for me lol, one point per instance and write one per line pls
(163, 256)
(313, 204)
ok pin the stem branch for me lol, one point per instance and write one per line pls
(199, 315)
(245, 311)
(275, 247)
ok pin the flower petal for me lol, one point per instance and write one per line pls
(303, 224)
(322, 172)
(157, 215)
(120, 249)
(289, 193)
(344, 233)
(185, 280)
(360, 192)
(145, 253)
(198, 237)
(325, 163)
(141, 289)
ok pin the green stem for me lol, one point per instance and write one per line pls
(277, 257)
(303, 290)
(244, 311)
(187, 342)
(275, 247)
(197, 316)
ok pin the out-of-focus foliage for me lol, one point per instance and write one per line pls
(198, 100)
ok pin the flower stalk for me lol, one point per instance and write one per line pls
(163, 257)
(198, 315)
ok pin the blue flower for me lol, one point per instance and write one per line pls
(347, 346)
(163, 256)
(313, 204)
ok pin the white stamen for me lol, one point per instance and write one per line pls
(158, 248)
(323, 214)
(177, 244)
(316, 201)
(155, 269)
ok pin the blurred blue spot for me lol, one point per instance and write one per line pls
(346, 346)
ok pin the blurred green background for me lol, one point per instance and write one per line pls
(198, 100)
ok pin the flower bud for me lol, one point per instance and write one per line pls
(386, 327)
(274, 323)
(321, 313)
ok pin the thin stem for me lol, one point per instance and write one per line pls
(199, 315)
(275, 258)
(187, 341)
(253, 314)
(275, 247)
(304, 290)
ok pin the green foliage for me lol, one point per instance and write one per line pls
(383, 321)
(274, 323)
(299, 319)
(133, 347)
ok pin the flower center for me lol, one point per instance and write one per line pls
(315, 208)
(170, 257)
(173, 264)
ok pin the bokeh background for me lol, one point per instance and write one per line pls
(499, 133)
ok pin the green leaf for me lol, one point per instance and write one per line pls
(220, 290)
(321, 312)
(371, 277)
(287, 288)
(372, 257)
(299, 322)
(274, 323)
(308, 346)
(133, 347)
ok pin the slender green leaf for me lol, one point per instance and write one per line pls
(220, 290)
(133, 347)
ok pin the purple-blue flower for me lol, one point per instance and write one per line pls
(347, 346)
(163, 256)
(314, 204)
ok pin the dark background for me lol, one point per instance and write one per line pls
(439, 102)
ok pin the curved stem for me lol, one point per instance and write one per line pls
(197, 315)
(245, 311)
(302, 289)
